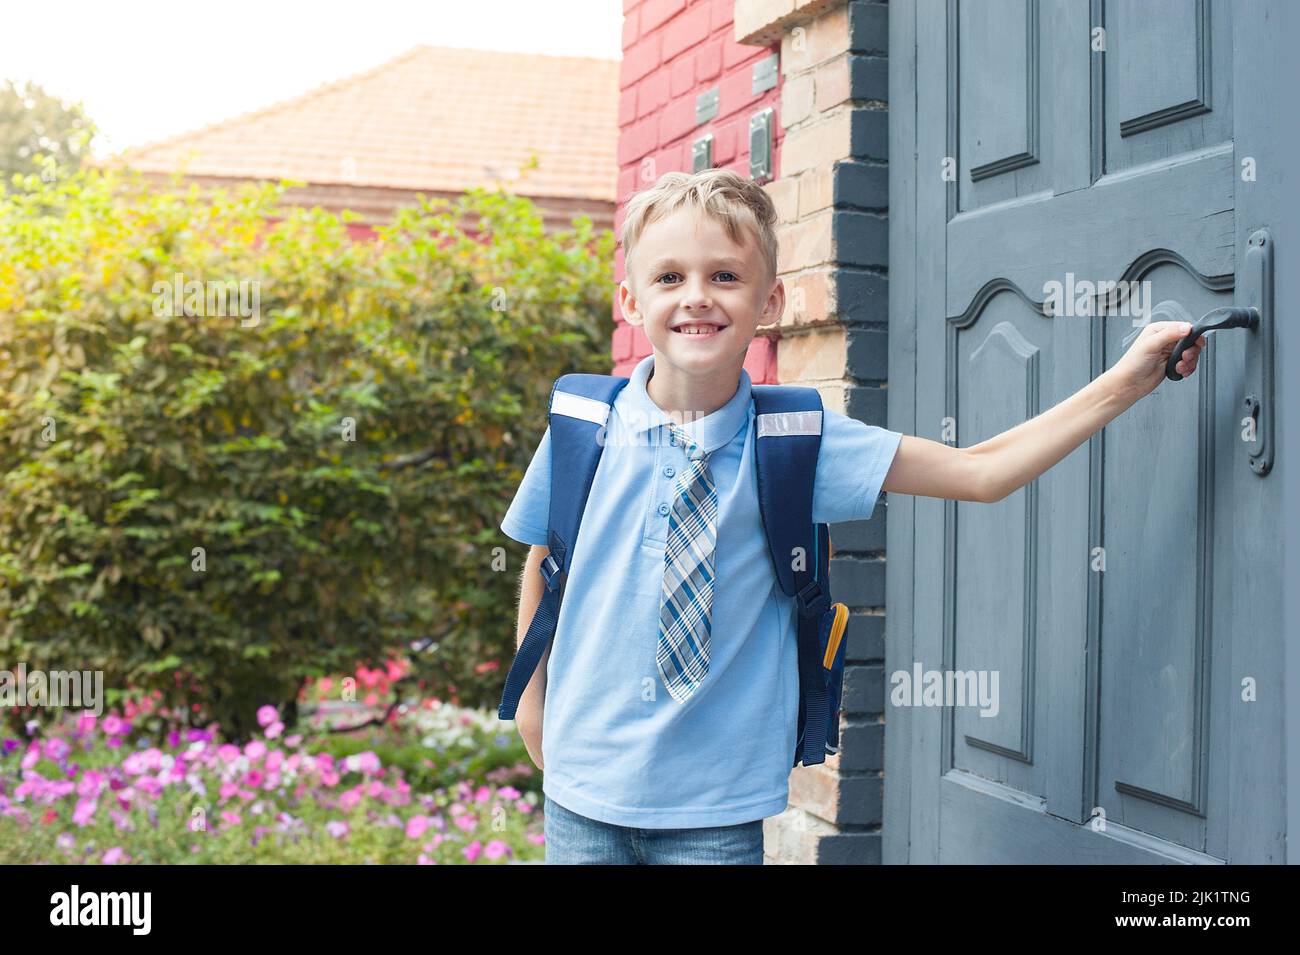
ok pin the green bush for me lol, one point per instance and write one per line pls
(341, 455)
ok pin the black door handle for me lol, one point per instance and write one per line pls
(1235, 317)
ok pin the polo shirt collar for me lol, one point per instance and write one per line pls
(710, 432)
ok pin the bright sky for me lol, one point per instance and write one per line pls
(148, 69)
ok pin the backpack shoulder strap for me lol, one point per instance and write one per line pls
(578, 412)
(788, 429)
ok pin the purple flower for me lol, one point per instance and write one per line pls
(336, 828)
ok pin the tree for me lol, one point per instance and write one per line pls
(39, 133)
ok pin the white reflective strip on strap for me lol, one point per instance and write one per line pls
(577, 406)
(789, 422)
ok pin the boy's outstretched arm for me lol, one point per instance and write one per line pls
(989, 471)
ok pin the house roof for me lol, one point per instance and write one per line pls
(436, 119)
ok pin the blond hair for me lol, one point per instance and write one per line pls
(730, 199)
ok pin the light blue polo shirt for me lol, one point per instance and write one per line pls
(615, 745)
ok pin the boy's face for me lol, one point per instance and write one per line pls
(686, 271)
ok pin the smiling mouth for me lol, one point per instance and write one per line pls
(700, 330)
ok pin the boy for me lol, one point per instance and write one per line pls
(671, 698)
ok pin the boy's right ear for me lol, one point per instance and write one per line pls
(628, 304)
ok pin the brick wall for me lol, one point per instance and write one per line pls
(674, 50)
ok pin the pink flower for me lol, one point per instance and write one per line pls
(86, 723)
(415, 826)
(466, 822)
(253, 777)
(113, 725)
(114, 855)
(255, 750)
(473, 850)
(274, 730)
(509, 792)
(483, 794)
(366, 762)
(56, 749)
(89, 784)
(425, 860)
(294, 741)
(266, 715)
(228, 752)
(536, 838)
(231, 817)
(496, 849)
(84, 812)
(325, 684)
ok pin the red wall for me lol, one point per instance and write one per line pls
(673, 50)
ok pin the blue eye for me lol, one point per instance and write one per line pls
(665, 275)
(732, 274)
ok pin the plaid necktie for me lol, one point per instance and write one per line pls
(684, 616)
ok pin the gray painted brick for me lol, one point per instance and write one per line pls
(867, 404)
(868, 27)
(865, 637)
(850, 848)
(860, 184)
(869, 134)
(860, 238)
(868, 77)
(862, 746)
(863, 297)
(868, 353)
(864, 688)
(857, 536)
(861, 801)
(858, 582)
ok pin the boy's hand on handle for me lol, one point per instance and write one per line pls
(1142, 367)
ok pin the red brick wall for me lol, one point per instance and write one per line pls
(672, 51)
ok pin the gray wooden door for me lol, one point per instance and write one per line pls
(1129, 599)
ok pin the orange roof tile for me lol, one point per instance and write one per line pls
(440, 119)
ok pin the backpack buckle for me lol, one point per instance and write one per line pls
(551, 572)
(813, 599)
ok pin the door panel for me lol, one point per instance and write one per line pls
(1107, 595)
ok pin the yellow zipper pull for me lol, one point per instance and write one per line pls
(837, 633)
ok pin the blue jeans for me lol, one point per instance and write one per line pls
(573, 839)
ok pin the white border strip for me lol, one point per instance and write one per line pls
(780, 423)
(578, 406)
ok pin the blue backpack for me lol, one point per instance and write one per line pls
(788, 424)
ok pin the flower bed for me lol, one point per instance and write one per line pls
(434, 784)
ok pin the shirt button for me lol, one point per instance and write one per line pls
(663, 510)
(669, 471)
